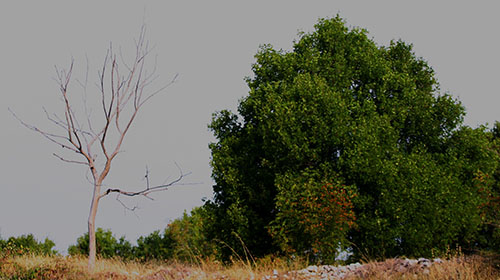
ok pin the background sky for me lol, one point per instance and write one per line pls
(211, 45)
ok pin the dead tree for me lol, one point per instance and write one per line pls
(123, 89)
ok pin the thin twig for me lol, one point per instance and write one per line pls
(148, 190)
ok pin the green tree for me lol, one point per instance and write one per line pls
(489, 188)
(314, 213)
(107, 245)
(369, 117)
(154, 246)
(188, 235)
(183, 239)
(27, 244)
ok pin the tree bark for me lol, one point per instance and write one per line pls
(91, 226)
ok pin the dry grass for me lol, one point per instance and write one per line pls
(42, 267)
(58, 268)
(460, 267)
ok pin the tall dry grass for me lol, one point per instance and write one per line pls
(75, 268)
(460, 267)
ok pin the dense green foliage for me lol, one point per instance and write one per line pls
(489, 189)
(106, 244)
(315, 212)
(154, 246)
(183, 240)
(366, 122)
(27, 244)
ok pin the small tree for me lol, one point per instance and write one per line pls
(314, 213)
(122, 91)
(107, 245)
(26, 244)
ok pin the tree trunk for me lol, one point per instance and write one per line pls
(91, 224)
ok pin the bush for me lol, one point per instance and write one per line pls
(27, 244)
(154, 246)
(189, 238)
(315, 213)
(107, 245)
(183, 240)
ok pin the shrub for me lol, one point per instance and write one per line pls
(27, 244)
(314, 215)
(154, 246)
(106, 244)
(183, 239)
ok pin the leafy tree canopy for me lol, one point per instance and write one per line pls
(27, 244)
(183, 239)
(342, 141)
(107, 245)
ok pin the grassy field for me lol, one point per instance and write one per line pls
(58, 267)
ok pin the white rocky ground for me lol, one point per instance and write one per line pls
(356, 269)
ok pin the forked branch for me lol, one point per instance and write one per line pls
(145, 192)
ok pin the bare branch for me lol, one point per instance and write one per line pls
(147, 178)
(159, 90)
(88, 112)
(84, 84)
(125, 206)
(70, 161)
(87, 177)
(101, 80)
(148, 190)
(56, 120)
(64, 79)
(51, 137)
(123, 60)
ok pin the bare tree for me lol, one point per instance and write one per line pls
(97, 140)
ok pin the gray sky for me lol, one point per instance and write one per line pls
(211, 45)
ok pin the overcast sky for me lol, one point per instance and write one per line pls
(211, 45)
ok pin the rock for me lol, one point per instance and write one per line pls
(355, 265)
(405, 266)
(312, 268)
(424, 263)
(411, 262)
(303, 271)
(422, 260)
(437, 260)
